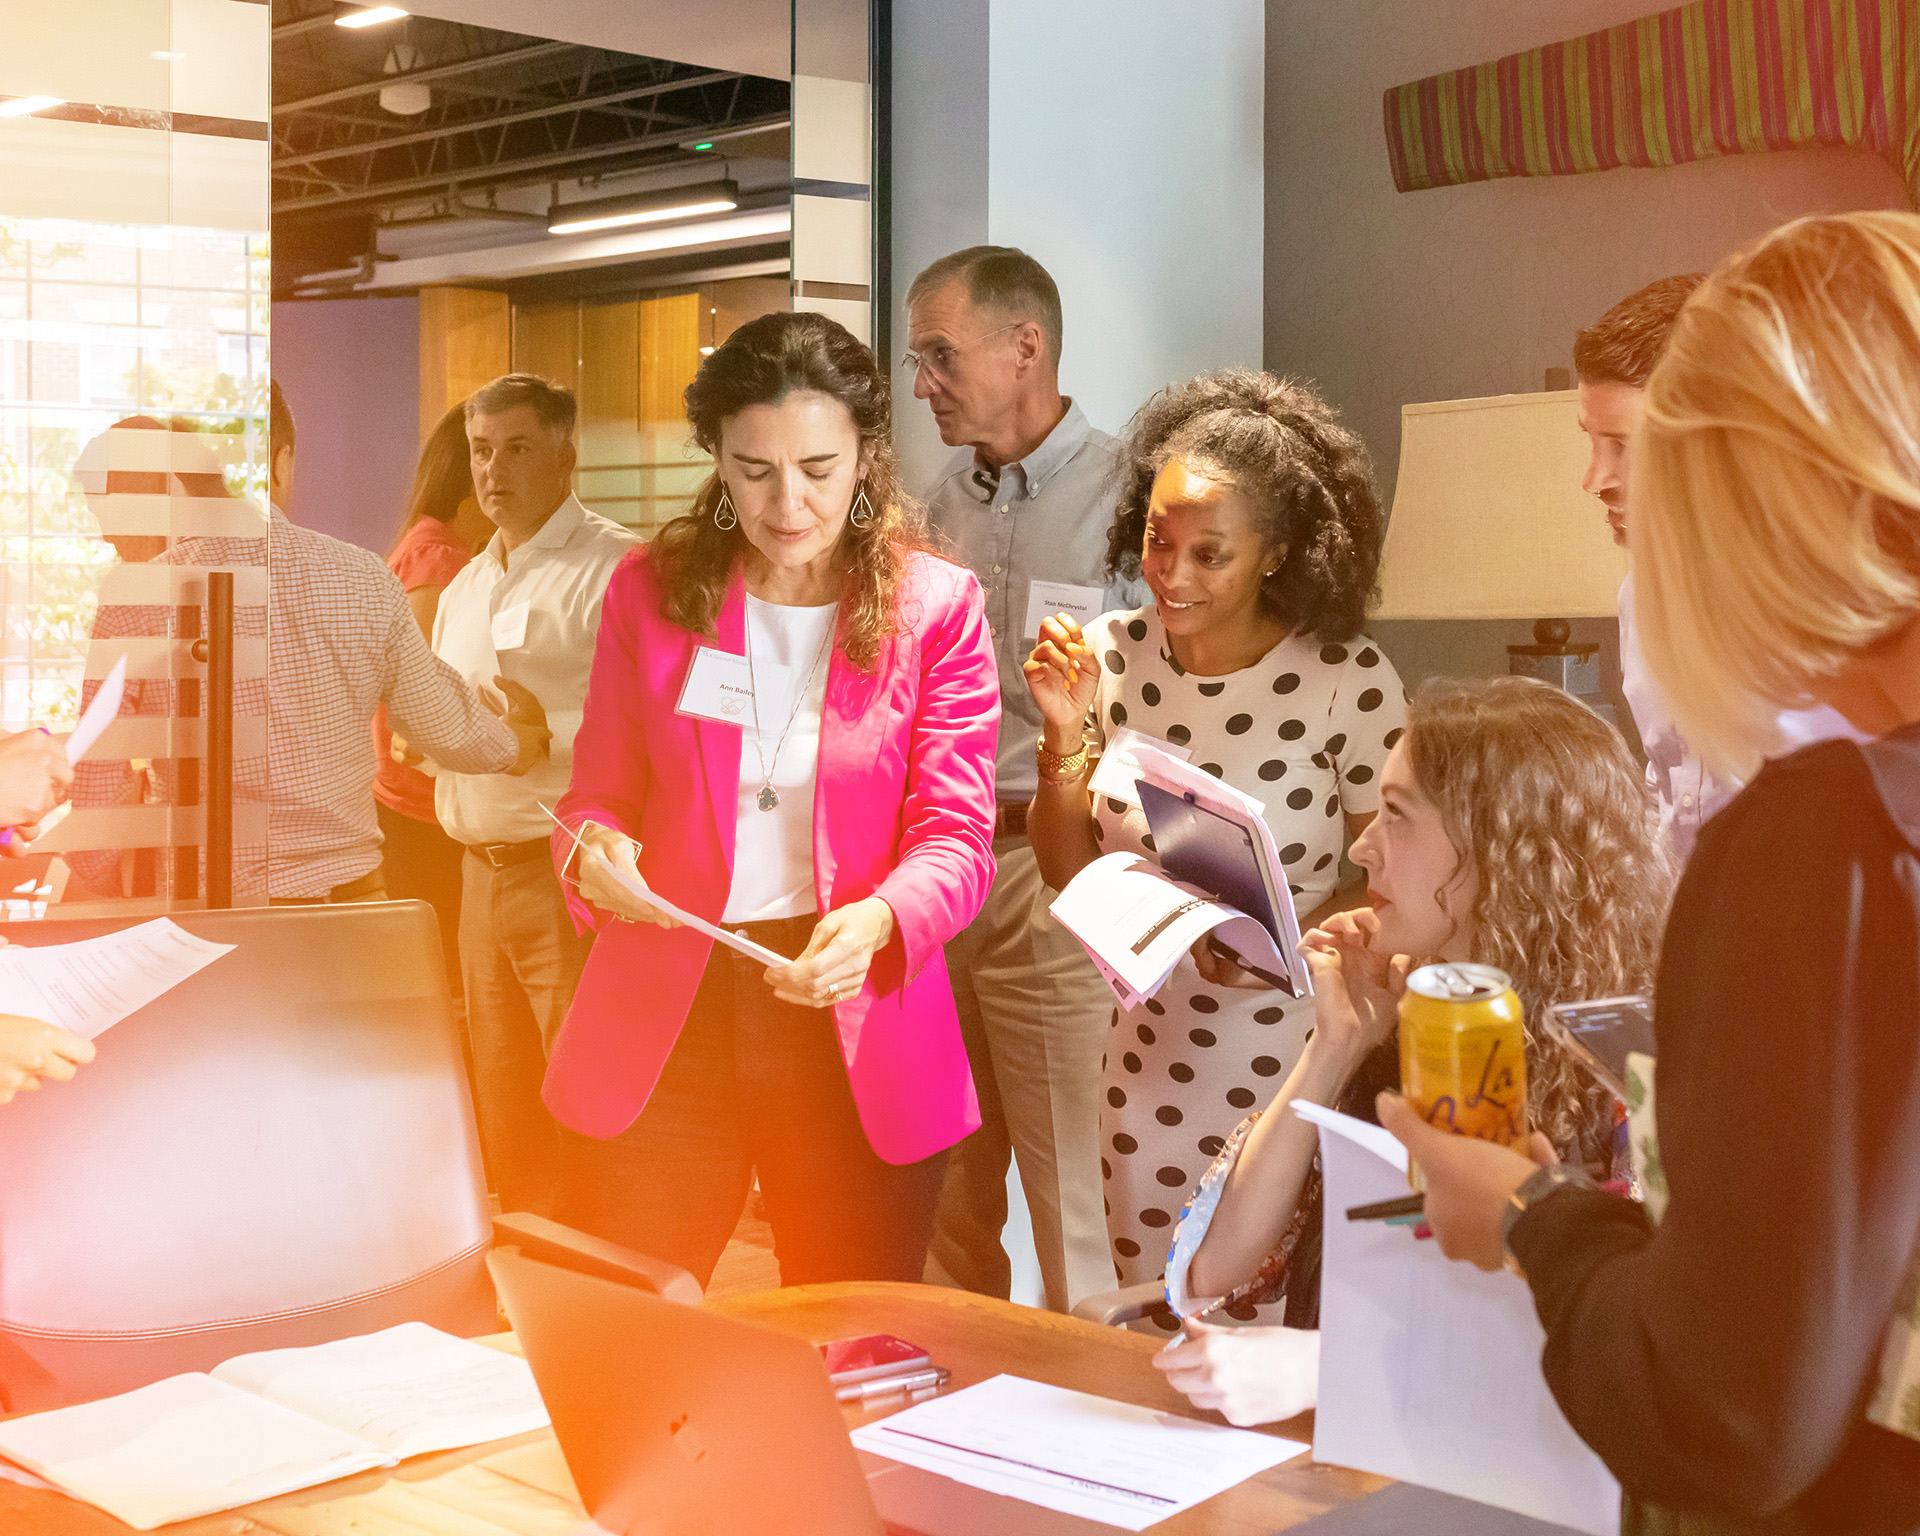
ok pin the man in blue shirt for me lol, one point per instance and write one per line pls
(1027, 503)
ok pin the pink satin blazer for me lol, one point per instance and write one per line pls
(903, 810)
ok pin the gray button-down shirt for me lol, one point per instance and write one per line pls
(1044, 518)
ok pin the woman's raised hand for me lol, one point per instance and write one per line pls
(1356, 990)
(1062, 673)
(602, 851)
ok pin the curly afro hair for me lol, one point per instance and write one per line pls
(1307, 477)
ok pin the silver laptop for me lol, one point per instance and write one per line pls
(676, 1421)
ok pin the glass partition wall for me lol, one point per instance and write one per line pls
(134, 310)
(133, 395)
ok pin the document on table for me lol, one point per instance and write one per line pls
(91, 984)
(653, 898)
(1082, 1455)
(268, 1423)
(1430, 1370)
(410, 1389)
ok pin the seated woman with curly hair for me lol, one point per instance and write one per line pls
(1251, 513)
(1515, 830)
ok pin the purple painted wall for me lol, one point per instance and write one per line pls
(350, 369)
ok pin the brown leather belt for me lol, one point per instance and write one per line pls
(506, 855)
(1010, 818)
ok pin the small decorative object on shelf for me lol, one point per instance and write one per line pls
(1555, 658)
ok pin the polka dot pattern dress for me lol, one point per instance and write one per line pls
(1305, 730)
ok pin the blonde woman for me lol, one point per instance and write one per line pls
(1515, 829)
(1751, 1364)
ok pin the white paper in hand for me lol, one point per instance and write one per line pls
(1430, 1370)
(638, 887)
(1137, 923)
(92, 984)
(1117, 772)
(100, 714)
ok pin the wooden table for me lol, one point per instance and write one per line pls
(520, 1487)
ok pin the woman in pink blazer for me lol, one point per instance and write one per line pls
(790, 731)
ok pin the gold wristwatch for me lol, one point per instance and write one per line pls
(1059, 768)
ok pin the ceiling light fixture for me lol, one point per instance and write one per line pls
(643, 208)
(20, 106)
(370, 17)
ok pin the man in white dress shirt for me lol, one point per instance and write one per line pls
(526, 608)
(1613, 358)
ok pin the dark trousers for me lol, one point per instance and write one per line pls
(755, 1084)
(421, 863)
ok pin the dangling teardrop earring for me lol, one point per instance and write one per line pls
(863, 514)
(724, 517)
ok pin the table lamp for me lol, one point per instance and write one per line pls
(1489, 522)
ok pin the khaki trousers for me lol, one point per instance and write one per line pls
(1035, 1015)
(520, 960)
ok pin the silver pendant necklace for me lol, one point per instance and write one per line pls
(769, 797)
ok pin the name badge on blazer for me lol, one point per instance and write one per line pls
(719, 687)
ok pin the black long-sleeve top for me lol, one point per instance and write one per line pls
(1723, 1362)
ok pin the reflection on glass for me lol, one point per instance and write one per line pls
(132, 415)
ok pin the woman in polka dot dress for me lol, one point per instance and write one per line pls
(1252, 515)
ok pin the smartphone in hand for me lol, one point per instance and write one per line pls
(1599, 1034)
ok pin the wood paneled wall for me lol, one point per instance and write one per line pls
(464, 343)
(669, 355)
(629, 361)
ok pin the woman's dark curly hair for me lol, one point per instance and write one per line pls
(1307, 477)
(761, 364)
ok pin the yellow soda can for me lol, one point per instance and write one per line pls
(1463, 1063)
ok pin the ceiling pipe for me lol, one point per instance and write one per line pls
(422, 76)
(479, 125)
(527, 171)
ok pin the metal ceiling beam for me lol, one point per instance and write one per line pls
(421, 76)
(479, 177)
(479, 125)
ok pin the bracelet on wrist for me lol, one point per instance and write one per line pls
(1059, 767)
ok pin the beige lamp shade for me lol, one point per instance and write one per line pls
(1489, 521)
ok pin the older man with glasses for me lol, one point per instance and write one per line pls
(1028, 506)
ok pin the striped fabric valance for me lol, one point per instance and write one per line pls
(1717, 77)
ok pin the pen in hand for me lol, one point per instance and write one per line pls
(1387, 1210)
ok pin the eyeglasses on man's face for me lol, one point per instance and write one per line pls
(938, 359)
